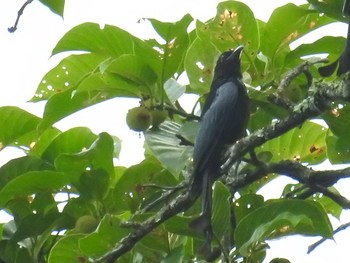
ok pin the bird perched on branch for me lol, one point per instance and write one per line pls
(223, 121)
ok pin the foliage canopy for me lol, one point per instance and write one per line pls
(108, 62)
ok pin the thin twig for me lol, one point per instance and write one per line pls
(19, 14)
(316, 244)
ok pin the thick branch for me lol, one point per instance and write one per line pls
(295, 170)
(309, 108)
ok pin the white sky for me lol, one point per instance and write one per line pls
(25, 58)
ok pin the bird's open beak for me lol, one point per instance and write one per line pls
(236, 53)
(238, 50)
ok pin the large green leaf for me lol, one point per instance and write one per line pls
(305, 144)
(246, 204)
(15, 123)
(72, 141)
(330, 206)
(338, 149)
(19, 166)
(108, 40)
(331, 45)
(133, 68)
(67, 250)
(31, 183)
(43, 141)
(279, 32)
(108, 233)
(62, 104)
(67, 74)
(34, 225)
(281, 217)
(176, 43)
(13, 252)
(129, 192)
(90, 170)
(110, 85)
(166, 146)
(233, 25)
(332, 8)
(199, 65)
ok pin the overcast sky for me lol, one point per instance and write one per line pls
(25, 58)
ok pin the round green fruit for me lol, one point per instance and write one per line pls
(158, 116)
(86, 224)
(138, 119)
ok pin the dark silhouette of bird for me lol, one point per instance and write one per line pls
(223, 121)
(343, 62)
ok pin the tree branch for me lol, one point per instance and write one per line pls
(312, 106)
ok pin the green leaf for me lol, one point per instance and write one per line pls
(176, 43)
(246, 204)
(90, 170)
(129, 192)
(31, 183)
(281, 217)
(43, 141)
(67, 75)
(199, 65)
(134, 69)
(176, 255)
(180, 225)
(109, 40)
(327, 44)
(305, 144)
(330, 206)
(173, 89)
(108, 233)
(338, 120)
(34, 225)
(99, 155)
(93, 38)
(56, 6)
(72, 141)
(221, 210)
(19, 166)
(110, 85)
(330, 8)
(67, 250)
(13, 252)
(338, 149)
(189, 130)
(279, 32)
(233, 25)
(62, 104)
(166, 146)
(15, 123)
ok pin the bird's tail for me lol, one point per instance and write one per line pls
(202, 185)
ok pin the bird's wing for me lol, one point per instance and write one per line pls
(215, 123)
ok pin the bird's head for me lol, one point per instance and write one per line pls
(229, 63)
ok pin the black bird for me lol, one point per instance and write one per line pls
(223, 121)
(344, 59)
